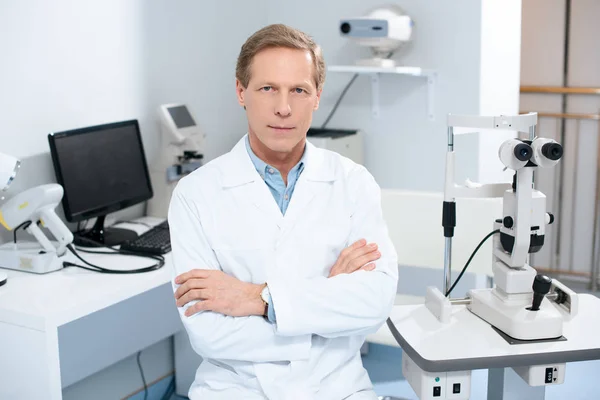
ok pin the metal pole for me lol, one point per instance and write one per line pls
(447, 265)
(448, 242)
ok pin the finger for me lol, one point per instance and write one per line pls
(190, 285)
(360, 261)
(356, 245)
(198, 307)
(197, 294)
(349, 262)
(368, 267)
(194, 273)
(363, 250)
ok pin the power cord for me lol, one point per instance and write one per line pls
(24, 225)
(142, 374)
(91, 267)
(389, 320)
(339, 100)
(170, 390)
(489, 235)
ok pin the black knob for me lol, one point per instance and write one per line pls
(345, 28)
(508, 222)
(551, 218)
(541, 287)
(552, 151)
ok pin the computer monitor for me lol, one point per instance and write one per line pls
(102, 170)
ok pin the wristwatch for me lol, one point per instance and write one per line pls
(265, 295)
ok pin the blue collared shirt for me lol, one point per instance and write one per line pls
(281, 192)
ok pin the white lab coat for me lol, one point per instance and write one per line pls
(223, 216)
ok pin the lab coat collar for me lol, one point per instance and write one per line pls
(242, 170)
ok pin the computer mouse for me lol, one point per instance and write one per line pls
(3, 278)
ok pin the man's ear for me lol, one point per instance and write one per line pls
(240, 91)
(318, 99)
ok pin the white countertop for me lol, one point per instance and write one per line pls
(53, 299)
(468, 342)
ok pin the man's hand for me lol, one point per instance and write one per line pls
(358, 256)
(218, 292)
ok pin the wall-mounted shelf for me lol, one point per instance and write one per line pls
(375, 72)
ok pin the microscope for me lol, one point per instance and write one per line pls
(517, 306)
(523, 307)
(181, 152)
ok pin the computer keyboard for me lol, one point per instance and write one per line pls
(154, 241)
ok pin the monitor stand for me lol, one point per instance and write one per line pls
(100, 236)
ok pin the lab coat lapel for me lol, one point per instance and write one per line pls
(316, 174)
(263, 200)
(244, 179)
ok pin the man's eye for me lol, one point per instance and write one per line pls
(299, 90)
(266, 88)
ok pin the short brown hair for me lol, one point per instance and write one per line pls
(278, 35)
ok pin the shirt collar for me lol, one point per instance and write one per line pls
(262, 166)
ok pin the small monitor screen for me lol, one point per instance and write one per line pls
(181, 116)
(101, 168)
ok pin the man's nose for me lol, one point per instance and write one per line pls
(282, 107)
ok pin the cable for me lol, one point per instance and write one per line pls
(489, 235)
(170, 390)
(96, 268)
(24, 225)
(339, 100)
(389, 320)
(142, 374)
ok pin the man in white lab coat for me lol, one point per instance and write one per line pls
(283, 261)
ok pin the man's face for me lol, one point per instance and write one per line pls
(280, 98)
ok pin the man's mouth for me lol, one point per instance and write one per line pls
(281, 128)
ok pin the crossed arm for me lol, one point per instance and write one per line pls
(228, 309)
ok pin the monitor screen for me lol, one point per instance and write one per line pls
(181, 116)
(102, 169)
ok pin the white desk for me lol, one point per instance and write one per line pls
(469, 343)
(59, 328)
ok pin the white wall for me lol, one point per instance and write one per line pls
(190, 50)
(499, 80)
(67, 64)
(403, 149)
